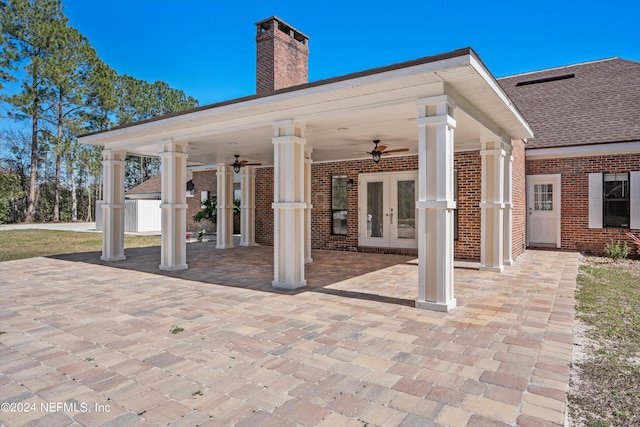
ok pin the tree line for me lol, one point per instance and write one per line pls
(54, 87)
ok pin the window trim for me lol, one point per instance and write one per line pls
(605, 199)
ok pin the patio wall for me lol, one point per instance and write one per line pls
(468, 165)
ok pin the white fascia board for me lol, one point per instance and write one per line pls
(501, 94)
(475, 113)
(614, 148)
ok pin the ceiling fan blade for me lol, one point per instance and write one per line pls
(381, 148)
(397, 150)
(253, 164)
(243, 162)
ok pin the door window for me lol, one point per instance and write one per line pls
(543, 197)
(406, 209)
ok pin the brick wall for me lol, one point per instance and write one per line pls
(321, 174)
(575, 232)
(519, 199)
(202, 181)
(467, 163)
(264, 211)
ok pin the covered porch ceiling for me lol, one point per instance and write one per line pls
(341, 115)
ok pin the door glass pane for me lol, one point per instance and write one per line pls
(339, 204)
(374, 209)
(543, 197)
(406, 221)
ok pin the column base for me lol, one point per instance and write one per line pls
(284, 285)
(436, 306)
(173, 267)
(508, 262)
(308, 260)
(224, 246)
(113, 258)
(499, 269)
(247, 244)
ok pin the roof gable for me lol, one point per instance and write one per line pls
(589, 103)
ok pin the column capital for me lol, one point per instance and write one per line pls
(116, 155)
(171, 146)
(288, 127)
(437, 120)
(288, 138)
(173, 154)
(435, 100)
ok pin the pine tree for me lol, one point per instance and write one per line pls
(29, 32)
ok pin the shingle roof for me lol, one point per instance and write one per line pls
(153, 185)
(600, 103)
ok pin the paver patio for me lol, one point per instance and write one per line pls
(82, 336)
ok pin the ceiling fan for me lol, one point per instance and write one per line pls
(237, 164)
(378, 151)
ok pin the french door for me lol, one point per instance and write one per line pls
(387, 210)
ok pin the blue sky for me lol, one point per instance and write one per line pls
(207, 48)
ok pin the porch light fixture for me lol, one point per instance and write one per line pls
(377, 152)
(237, 164)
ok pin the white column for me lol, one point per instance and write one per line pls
(173, 252)
(307, 200)
(224, 207)
(508, 205)
(113, 166)
(492, 207)
(248, 207)
(435, 203)
(289, 205)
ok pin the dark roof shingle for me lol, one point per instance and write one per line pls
(599, 104)
(153, 185)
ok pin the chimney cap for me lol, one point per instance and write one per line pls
(266, 24)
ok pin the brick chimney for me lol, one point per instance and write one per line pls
(282, 56)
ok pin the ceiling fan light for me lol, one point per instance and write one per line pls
(376, 156)
(236, 165)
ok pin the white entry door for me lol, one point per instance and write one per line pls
(543, 210)
(387, 210)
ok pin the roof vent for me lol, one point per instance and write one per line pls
(546, 79)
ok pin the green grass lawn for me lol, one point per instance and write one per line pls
(606, 389)
(19, 244)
